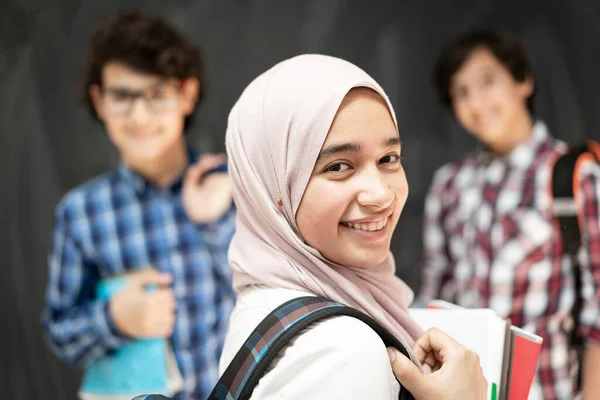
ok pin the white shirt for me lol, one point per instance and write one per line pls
(338, 358)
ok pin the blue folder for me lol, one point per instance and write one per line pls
(137, 367)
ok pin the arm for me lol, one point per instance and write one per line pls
(78, 328)
(217, 235)
(340, 358)
(589, 319)
(436, 261)
(591, 368)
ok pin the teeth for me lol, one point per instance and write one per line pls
(370, 227)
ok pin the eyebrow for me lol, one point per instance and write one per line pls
(483, 70)
(353, 147)
(124, 89)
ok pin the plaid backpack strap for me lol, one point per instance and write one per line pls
(274, 332)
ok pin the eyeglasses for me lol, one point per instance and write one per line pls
(158, 99)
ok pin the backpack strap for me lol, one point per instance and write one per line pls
(565, 178)
(563, 194)
(272, 335)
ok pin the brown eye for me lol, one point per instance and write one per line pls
(337, 167)
(158, 95)
(390, 159)
(461, 93)
(489, 79)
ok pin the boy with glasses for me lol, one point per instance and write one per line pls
(164, 217)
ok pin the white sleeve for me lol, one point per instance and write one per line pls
(340, 358)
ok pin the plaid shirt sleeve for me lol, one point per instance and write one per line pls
(436, 263)
(589, 201)
(217, 236)
(78, 327)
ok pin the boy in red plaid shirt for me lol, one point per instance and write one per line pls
(491, 237)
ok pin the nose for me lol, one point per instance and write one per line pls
(139, 110)
(375, 191)
(476, 101)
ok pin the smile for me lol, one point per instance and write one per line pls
(369, 227)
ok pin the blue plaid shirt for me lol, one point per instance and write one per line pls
(117, 223)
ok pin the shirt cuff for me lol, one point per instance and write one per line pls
(105, 327)
(593, 336)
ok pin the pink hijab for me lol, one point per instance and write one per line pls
(274, 135)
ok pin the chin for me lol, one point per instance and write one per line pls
(491, 136)
(150, 154)
(367, 262)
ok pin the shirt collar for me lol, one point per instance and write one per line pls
(525, 153)
(140, 184)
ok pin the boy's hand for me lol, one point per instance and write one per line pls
(451, 370)
(139, 313)
(206, 197)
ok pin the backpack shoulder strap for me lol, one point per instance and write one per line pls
(274, 332)
(564, 180)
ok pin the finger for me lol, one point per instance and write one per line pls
(207, 163)
(192, 176)
(430, 361)
(407, 373)
(436, 342)
(167, 326)
(150, 276)
(163, 297)
(427, 369)
(212, 159)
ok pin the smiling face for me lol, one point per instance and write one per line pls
(143, 114)
(490, 103)
(358, 188)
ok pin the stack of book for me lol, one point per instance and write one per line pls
(509, 355)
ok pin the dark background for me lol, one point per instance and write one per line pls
(48, 143)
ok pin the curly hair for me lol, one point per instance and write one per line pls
(144, 43)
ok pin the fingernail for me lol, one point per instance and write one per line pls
(391, 354)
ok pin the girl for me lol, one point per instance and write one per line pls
(314, 155)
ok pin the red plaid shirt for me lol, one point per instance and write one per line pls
(491, 240)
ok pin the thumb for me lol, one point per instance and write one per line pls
(150, 276)
(407, 373)
(193, 175)
(206, 163)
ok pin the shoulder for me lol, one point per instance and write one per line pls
(445, 176)
(252, 305)
(588, 180)
(347, 337)
(338, 357)
(77, 199)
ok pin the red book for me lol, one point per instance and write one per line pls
(525, 353)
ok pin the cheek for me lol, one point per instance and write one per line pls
(400, 188)
(461, 110)
(321, 209)
(170, 123)
(115, 128)
(176, 126)
(504, 98)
